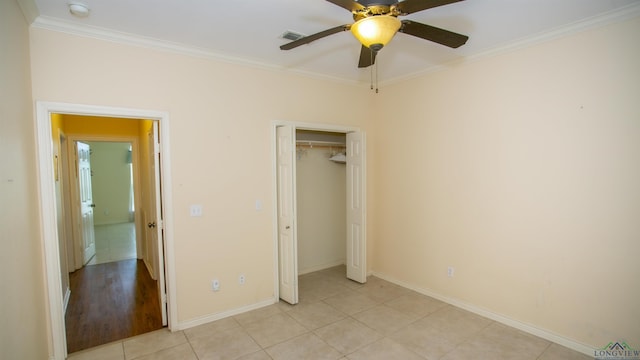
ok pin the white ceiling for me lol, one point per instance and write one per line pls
(249, 30)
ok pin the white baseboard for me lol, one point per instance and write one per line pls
(321, 267)
(67, 295)
(209, 318)
(528, 328)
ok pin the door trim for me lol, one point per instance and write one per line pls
(274, 188)
(48, 216)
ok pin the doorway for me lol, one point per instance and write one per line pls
(320, 200)
(113, 295)
(113, 193)
(164, 271)
(109, 302)
(287, 227)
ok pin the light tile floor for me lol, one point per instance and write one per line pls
(340, 319)
(114, 242)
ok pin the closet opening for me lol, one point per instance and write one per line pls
(320, 184)
(321, 187)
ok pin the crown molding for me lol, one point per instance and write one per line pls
(98, 33)
(610, 17)
(29, 10)
(43, 22)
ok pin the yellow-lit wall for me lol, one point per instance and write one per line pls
(23, 320)
(97, 125)
(522, 171)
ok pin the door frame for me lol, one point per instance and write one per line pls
(48, 216)
(274, 167)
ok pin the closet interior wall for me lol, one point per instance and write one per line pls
(321, 204)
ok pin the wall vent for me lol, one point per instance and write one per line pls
(290, 35)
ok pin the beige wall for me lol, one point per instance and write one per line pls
(220, 129)
(23, 333)
(523, 172)
(321, 189)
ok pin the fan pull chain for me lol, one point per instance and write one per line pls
(374, 64)
(371, 68)
(377, 75)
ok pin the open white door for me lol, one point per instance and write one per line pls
(356, 195)
(86, 201)
(287, 244)
(154, 220)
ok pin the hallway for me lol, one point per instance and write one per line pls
(114, 242)
(110, 302)
(113, 297)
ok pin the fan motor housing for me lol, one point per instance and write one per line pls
(373, 10)
(368, 3)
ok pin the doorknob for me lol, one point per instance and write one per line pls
(92, 205)
(151, 225)
(287, 227)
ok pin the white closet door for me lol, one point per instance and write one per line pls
(287, 243)
(356, 195)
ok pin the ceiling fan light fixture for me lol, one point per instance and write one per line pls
(375, 32)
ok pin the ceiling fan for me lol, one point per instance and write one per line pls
(376, 22)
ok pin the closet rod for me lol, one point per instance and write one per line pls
(322, 144)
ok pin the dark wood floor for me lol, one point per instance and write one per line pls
(110, 302)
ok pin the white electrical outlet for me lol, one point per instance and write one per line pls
(450, 271)
(215, 285)
(195, 210)
(241, 279)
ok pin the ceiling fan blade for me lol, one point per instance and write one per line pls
(427, 32)
(411, 6)
(347, 4)
(367, 57)
(310, 38)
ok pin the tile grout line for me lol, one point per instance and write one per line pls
(544, 351)
(191, 346)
